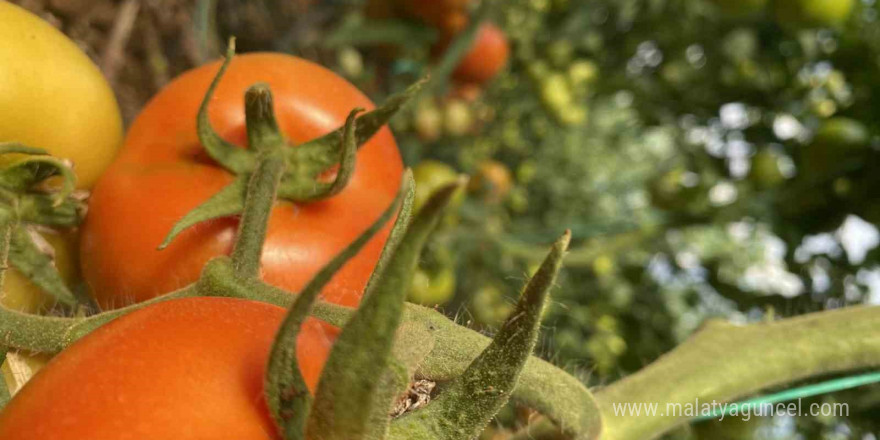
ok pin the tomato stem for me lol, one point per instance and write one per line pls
(287, 396)
(468, 404)
(254, 223)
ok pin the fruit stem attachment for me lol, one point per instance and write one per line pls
(260, 198)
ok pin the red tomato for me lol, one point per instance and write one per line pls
(486, 58)
(163, 172)
(188, 369)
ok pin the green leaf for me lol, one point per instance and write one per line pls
(324, 152)
(229, 201)
(299, 182)
(286, 392)
(37, 266)
(347, 402)
(468, 404)
(226, 154)
(24, 173)
(15, 147)
(44, 209)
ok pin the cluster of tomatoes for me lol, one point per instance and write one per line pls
(188, 368)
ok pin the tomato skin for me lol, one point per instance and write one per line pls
(54, 97)
(162, 173)
(188, 369)
(486, 58)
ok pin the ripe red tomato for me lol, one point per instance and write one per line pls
(162, 173)
(188, 369)
(486, 58)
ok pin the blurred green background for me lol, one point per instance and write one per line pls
(713, 158)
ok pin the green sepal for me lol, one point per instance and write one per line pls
(299, 183)
(347, 400)
(467, 404)
(16, 147)
(231, 157)
(323, 152)
(229, 201)
(23, 174)
(263, 133)
(287, 396)
(37, 266)
(44, 209)
(5, 395)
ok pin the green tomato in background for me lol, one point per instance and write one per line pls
(489, 306)
(431, 175)
(813, 13)
(431, 289)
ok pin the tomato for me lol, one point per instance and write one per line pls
(182, 369)
(54, 97)
(429, 289)
(486, 58)
(493, 179)
(431, 175)
(809, 13)
(163, 172)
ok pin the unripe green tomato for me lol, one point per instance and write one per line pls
(431, 175)
(431, 289)
(582, 73)
(458, 119)
(428, 121)
(813, 13)
(836, 140)
(765, 171)
(489, 307)
(555, 91)
(741, 8)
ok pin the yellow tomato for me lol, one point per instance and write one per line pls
(53, 97)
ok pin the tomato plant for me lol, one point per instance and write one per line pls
(182, 369)
(54, 97)
(486, 58)
(163, 172)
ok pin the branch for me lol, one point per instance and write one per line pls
(723, 362)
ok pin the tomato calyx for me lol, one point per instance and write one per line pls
(36, 190)
(304, 168)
